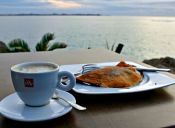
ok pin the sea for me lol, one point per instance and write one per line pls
(143, 37)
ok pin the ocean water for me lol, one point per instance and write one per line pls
(143, 37)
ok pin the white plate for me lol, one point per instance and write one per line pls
(151, 80)
(13, 108)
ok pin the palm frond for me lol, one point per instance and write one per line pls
(3, 47)
(43, 44)
(57, 45)
(18, 45)
(17, 49)
(107, 45)
(112, 47)
(39, 47)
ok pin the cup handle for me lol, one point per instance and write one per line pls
(70, 84)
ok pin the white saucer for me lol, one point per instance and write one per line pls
(13, 108)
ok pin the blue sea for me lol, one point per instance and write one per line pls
(143, 37)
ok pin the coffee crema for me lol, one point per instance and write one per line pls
(35, 68)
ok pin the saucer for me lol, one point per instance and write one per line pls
(12, 107)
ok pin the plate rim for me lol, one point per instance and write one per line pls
(125, 92)
(110, 93)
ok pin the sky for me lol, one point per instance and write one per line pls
(103, 7)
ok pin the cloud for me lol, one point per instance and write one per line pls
(64, 4)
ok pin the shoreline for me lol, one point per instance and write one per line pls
(54, 14)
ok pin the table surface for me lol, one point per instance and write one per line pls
(145, 109)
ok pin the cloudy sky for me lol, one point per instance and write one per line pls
(104, 7)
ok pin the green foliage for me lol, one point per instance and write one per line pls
(43, 44)
(18, 45)
(107, 45)
(57, 45)
(3, 47)
(110, 47)
(115, 48)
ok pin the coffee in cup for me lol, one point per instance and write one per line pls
(35, 68)
(35, 82)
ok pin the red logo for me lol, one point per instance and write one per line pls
(28, 82)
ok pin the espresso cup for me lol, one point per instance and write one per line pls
(35, 82)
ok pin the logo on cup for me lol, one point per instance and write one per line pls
(28, 82)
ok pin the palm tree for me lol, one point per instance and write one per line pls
(18, 45)
(44, 44)
(3, 47)
(57, 45)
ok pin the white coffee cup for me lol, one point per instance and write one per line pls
(35, 82)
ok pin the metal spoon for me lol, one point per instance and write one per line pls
(57, 97)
